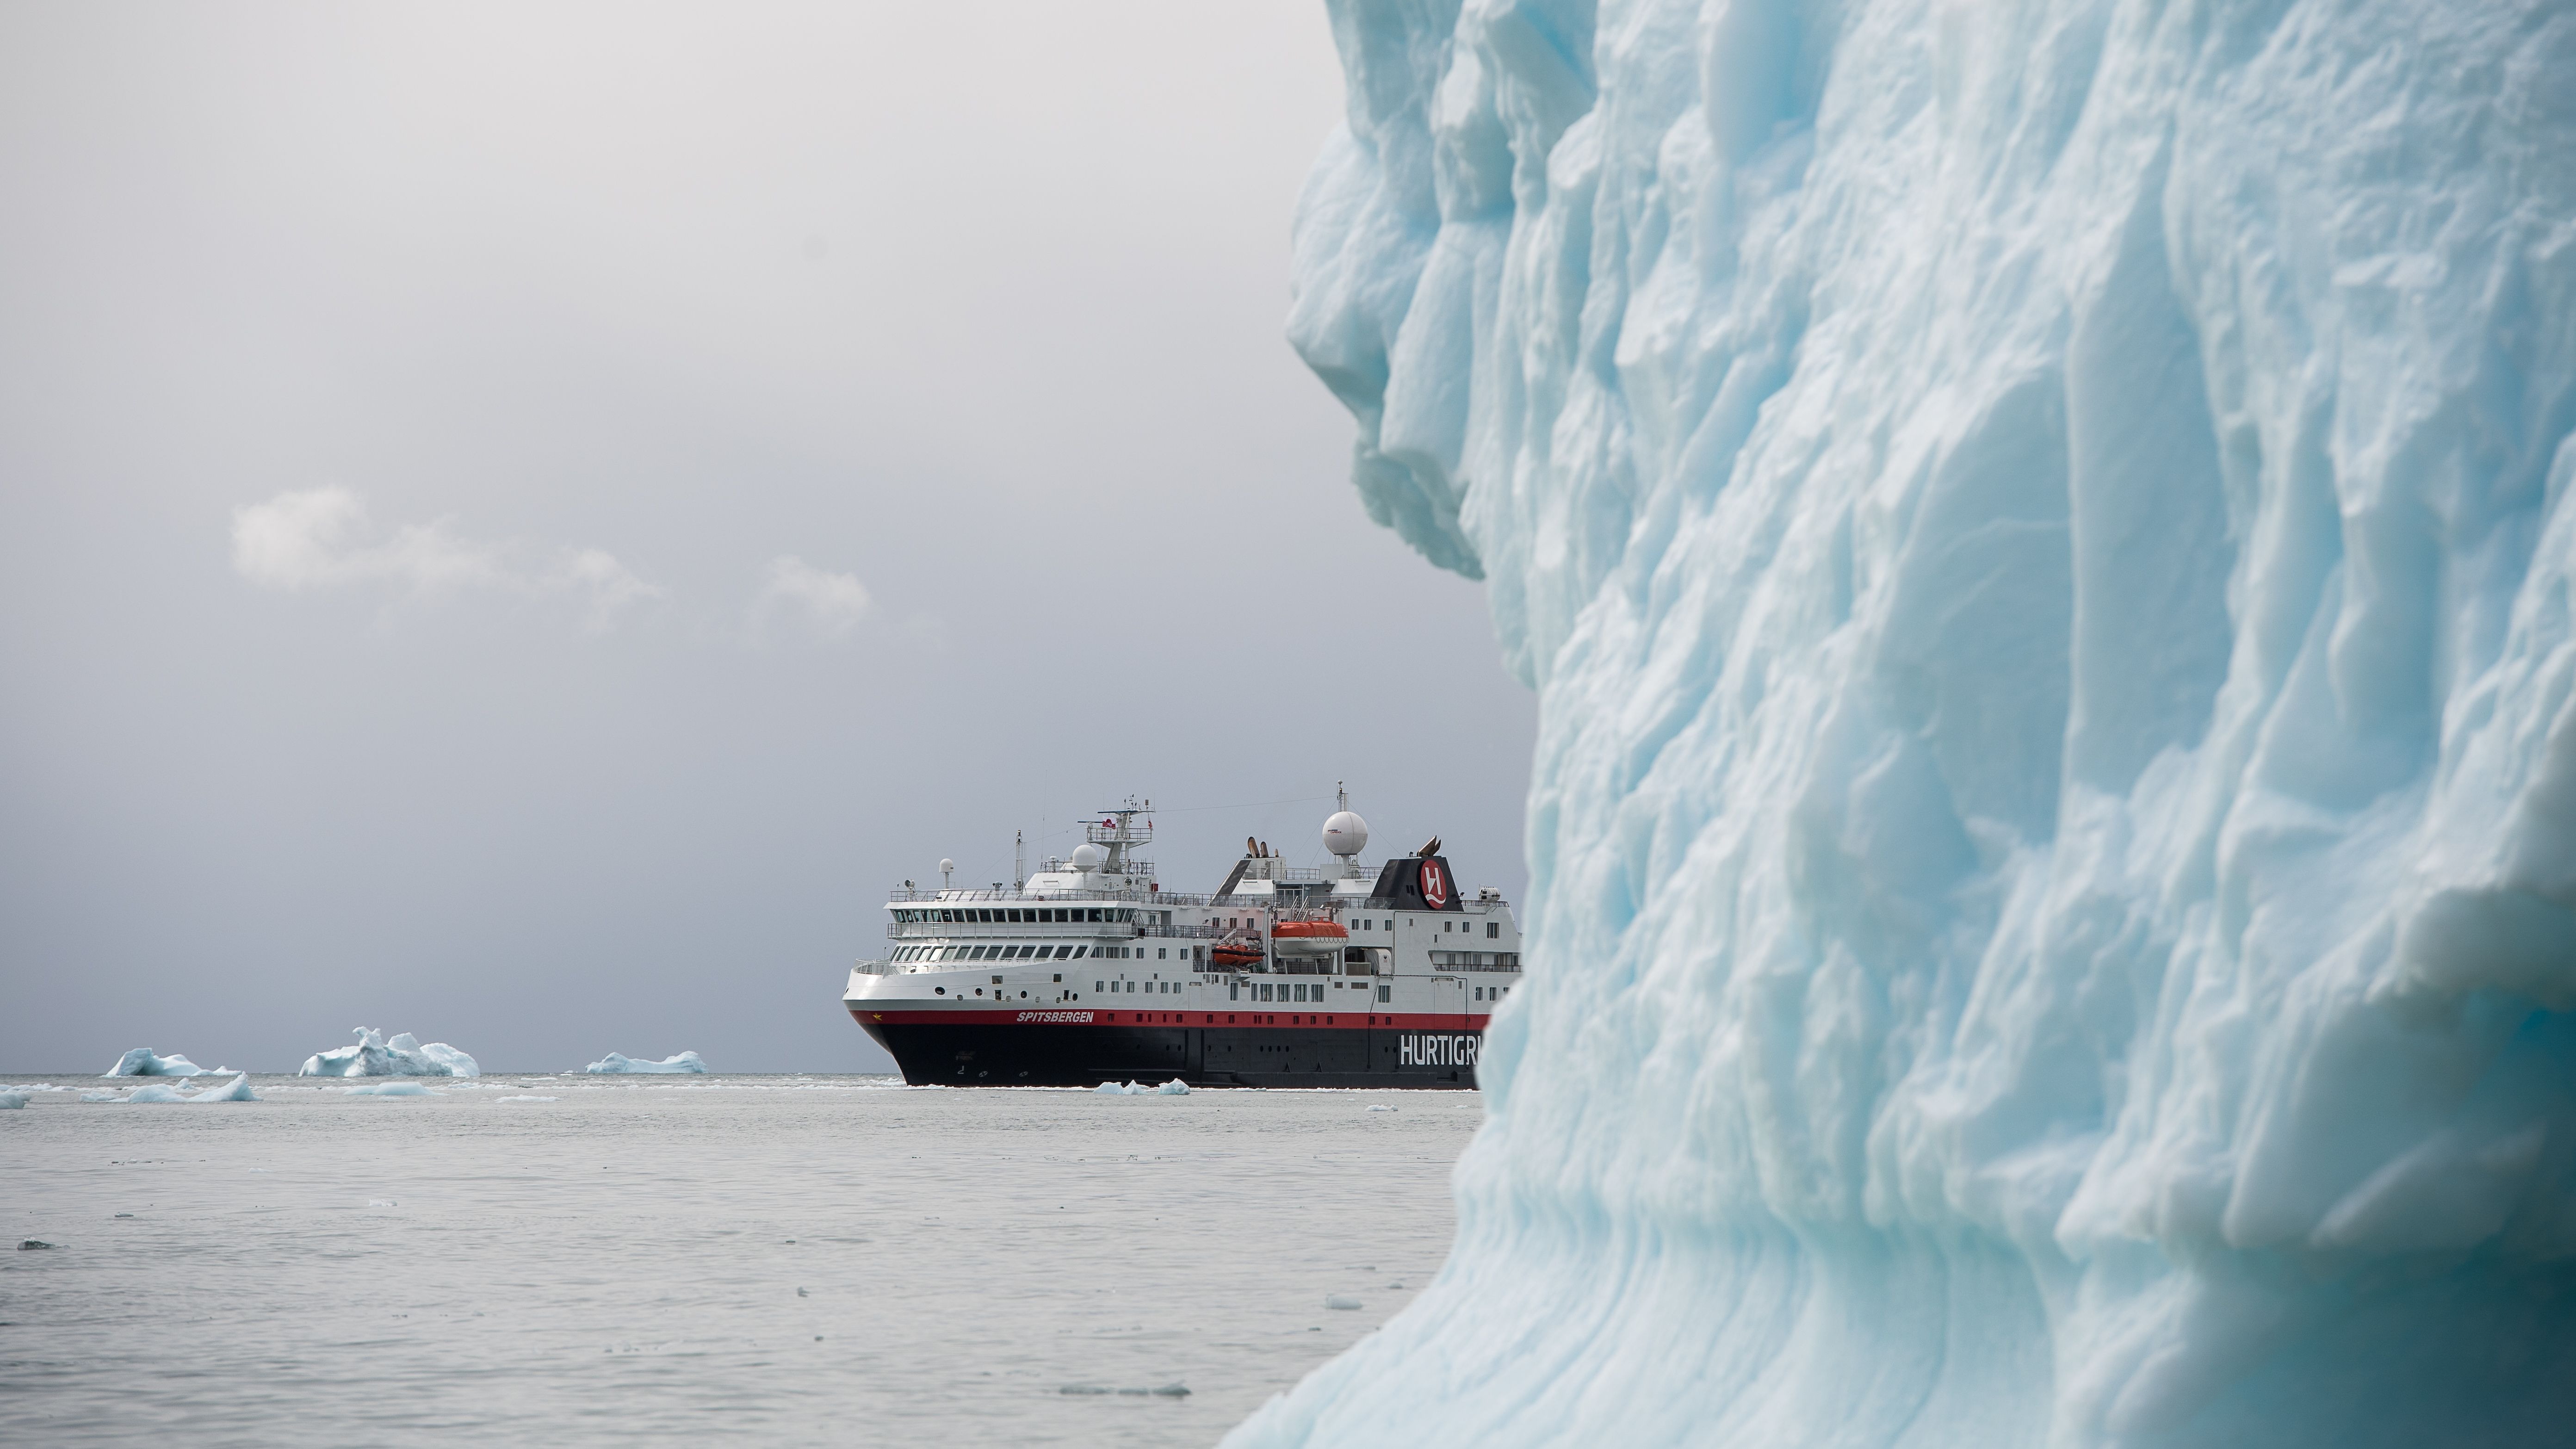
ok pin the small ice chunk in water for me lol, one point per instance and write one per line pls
(404, 1056)
(1173, 1088)
(237, 1090)
(30, 1245)
(1114, 1089)
(12, 1100)
(101, 1097)
(1335, 1300)
(616, 1063)
(383, 1089)
(141, 1062)
(157, 1093)
(1380, 1107)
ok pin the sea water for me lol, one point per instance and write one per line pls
(561, 1260)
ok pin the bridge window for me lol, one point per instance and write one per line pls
(1493, 930)
(1079, 951)
(1162, 953)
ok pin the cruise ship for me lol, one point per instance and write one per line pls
(1088, 971)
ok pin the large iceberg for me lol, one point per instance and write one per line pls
(617, 1064)
(2043, 534)
(404, 1056)
(144, 1062)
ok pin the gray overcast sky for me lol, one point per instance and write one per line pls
(518, 522)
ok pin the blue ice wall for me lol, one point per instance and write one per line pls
(2042, 532)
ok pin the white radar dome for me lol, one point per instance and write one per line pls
(946, 865)
(1087, 857)
(1345, 834)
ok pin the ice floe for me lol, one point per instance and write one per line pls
(236, 1090)
(397, 1088)
(618, 1064)
(404, 1056)
(10, 1101)
(1173, 1088)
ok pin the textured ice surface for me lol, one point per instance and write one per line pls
(390, 1089)
(10, 1100)
(614, 1064)
(404, 1056)
(1173, 1088)
(2043, 533)
(142, 1062)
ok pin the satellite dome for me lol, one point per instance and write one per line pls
(946, 865)
(1345, 834)
(1087, 857)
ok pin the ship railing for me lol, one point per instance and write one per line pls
(1101, 930)
(931, 895)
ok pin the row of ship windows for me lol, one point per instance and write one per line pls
(1493, 929)
(1478, 960)
(1039, 953)
(1021, 915)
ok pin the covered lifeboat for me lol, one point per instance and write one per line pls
(1297, 940)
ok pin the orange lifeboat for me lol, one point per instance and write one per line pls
(1309, 938)
(1235, 953)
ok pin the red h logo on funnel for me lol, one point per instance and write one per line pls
(1435, 885)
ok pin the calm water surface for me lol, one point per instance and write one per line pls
(788, 1260)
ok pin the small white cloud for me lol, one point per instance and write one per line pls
(610, 585)
(832, 603)
(322, 538)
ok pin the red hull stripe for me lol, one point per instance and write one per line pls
(1086, 1016)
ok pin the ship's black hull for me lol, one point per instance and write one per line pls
(990, 1054)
